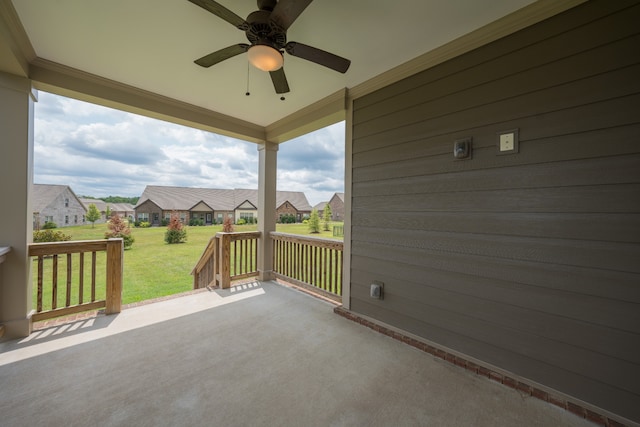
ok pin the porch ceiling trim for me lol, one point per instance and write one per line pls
(62, 80)
(325, 112)
(18, 48)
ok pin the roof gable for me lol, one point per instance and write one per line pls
(186, 198)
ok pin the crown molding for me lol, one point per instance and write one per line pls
(66, 81)
(17, 41)
(322, 113)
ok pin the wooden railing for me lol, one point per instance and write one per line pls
(309, 262)
(79, 294)
(227, 257)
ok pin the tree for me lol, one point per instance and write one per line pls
(175, 230)
(314, 222)
(93, 214)
(118, 227)
(326, 217)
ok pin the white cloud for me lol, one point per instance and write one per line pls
(99, 152)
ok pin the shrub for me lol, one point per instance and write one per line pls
(143, 224)
(287, 219)
(119, 228)
(45, 236)
(164, 222)
(227, 225)
(175, 231)
(196, 222)
(241, 221)
(49, 225)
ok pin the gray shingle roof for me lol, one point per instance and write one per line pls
(43, 195)
(102, 205)
(184, 198)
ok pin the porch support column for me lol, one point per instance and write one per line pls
(16, 179)
(267, 173)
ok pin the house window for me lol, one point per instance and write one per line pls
(83, 219)
(75, 219)
(66, 219)
(143, 216)
(220, 217)
(183, 217)
(66, 203)
(48, 218)
(246, 216)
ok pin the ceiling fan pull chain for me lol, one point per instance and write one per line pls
(247, 93)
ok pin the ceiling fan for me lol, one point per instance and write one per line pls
(266, 30)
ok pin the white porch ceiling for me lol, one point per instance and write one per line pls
(151, 45)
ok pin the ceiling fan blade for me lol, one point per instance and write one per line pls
(222, 12)
(287, 11)
(318, 56)
(222, 54)
(279, 80)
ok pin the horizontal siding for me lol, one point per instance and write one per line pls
(530, 261)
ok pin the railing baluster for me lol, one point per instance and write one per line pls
(81, 279)
(40, 274)
(93, 276)
(54, 292)
(69, 272)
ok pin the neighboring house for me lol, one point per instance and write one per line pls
(57, 204)
(124, 210)
(212, 205)
(337, 207)
(320, 207)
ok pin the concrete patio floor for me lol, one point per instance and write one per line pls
(258, 354)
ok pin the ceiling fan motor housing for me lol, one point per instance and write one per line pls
(261, 32)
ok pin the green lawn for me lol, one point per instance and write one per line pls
(152, 268)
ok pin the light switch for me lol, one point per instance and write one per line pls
(508, 141)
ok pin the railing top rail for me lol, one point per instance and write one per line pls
(240, 235)
(310, 240)
(206, 254)
(75, 246)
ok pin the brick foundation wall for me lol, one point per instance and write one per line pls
(580, 411)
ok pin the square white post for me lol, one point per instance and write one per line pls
(16, 180)
(267, 182)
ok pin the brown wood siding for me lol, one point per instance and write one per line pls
(529, 261)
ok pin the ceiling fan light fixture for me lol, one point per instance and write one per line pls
(265, 58)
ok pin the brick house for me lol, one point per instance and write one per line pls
(212, 205)
(337, 207)
(124, 210)
(57, 204)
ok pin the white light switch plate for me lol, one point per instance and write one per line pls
(508, 142)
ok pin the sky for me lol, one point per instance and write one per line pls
(100, 152)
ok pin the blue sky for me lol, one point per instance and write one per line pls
(99, 151)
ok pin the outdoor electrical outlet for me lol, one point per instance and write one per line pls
(462, 148)
(377, 289)
(508, 142)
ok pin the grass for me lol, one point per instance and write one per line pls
(152, 268)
